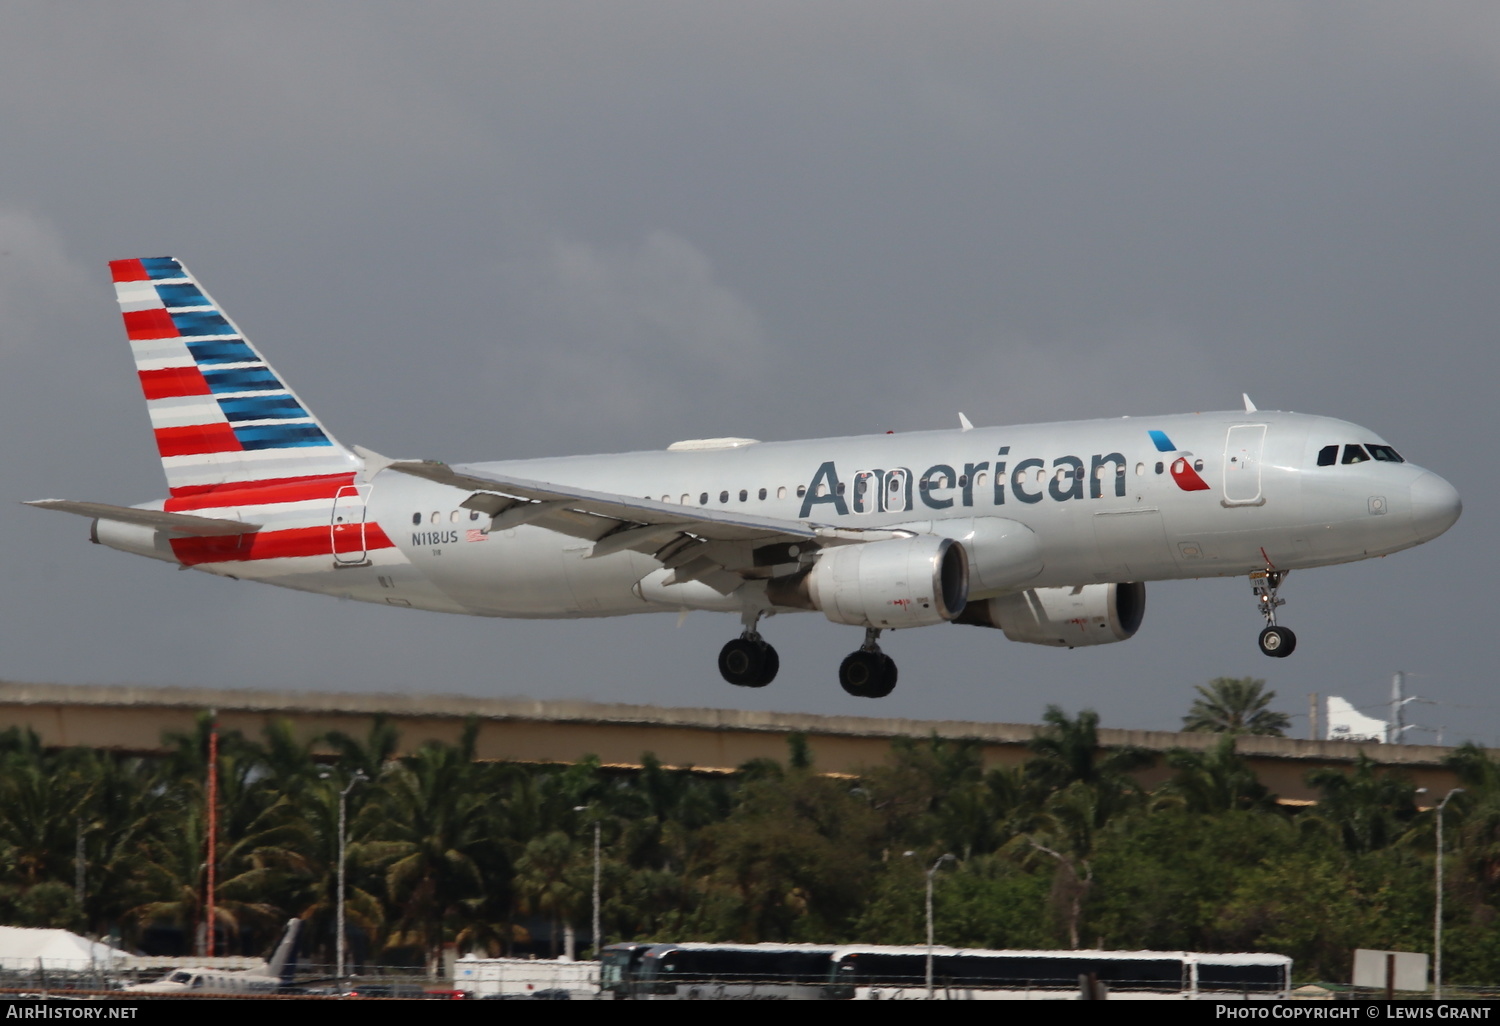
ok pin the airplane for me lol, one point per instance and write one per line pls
(1046, 532)
(271, 978)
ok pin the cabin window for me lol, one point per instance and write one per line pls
(762, 495)
(841, 488)
(1328, 455)
(1160, 467)
(416, 518)
(744, 495)
(455, 516)
(963, 480)
(1355, 454)
(703, 499)
(801, 491)
(686, 499)
(781, 492)
(979, 479)
(723, 496)
(437, 518)
(1197, 464)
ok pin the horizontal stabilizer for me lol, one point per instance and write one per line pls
(177, 523)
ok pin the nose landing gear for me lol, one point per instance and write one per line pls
(869, 672)
(748, 661)
(1277, 642)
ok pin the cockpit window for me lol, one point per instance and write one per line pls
(1385, 454)
(1328, 455)
(1355, 454)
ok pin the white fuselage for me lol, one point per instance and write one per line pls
(1104, 499)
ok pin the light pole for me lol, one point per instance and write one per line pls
(1437, 916)
(597, 865)
(358, 778)
(931, 875)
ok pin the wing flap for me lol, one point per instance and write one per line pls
(719, 548)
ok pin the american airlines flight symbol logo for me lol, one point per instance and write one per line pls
(1183, 471)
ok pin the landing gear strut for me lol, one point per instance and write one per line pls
(869, 672)
(748, 661)
(1277, 642)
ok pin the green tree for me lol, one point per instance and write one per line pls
(427, 827)
(1065, 751)
(1215, 781)
(1235, 705)
(553, 879)
(1162, 881)
(1368, 809)
(796, 854)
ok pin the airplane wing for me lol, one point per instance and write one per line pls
(718, 547)
(176, 523)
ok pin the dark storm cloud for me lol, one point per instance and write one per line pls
(485, 230)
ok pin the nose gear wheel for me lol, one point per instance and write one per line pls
(1275, 641)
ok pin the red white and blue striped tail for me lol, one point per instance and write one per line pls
(223, 417)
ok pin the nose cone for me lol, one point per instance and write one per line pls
(1435, 506)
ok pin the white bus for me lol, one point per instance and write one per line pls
(875, 972)
(711, 972)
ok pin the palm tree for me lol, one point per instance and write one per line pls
(1065, 751)
(552, 880)
(1367, 809)
(427, 825)
(1215, 781)
(1235, 705)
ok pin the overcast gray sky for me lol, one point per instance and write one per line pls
(486, 230)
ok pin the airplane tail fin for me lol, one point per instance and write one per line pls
(283, 962)
(222, 416)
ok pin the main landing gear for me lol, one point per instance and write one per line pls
(1277, 642)
(748, 661)
(869, 672)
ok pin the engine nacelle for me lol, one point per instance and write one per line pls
(1002, 553)
(1094, 614)
(902, 582)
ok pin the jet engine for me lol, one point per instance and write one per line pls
(1093, 614)
(901, 582)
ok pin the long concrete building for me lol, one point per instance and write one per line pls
(136, 719)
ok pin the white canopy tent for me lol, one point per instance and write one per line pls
(54, 951)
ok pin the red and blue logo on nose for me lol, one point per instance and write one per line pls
(1182, 470)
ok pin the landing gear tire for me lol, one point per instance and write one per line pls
(866, 674)
(748, 663)
(1277, 642)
